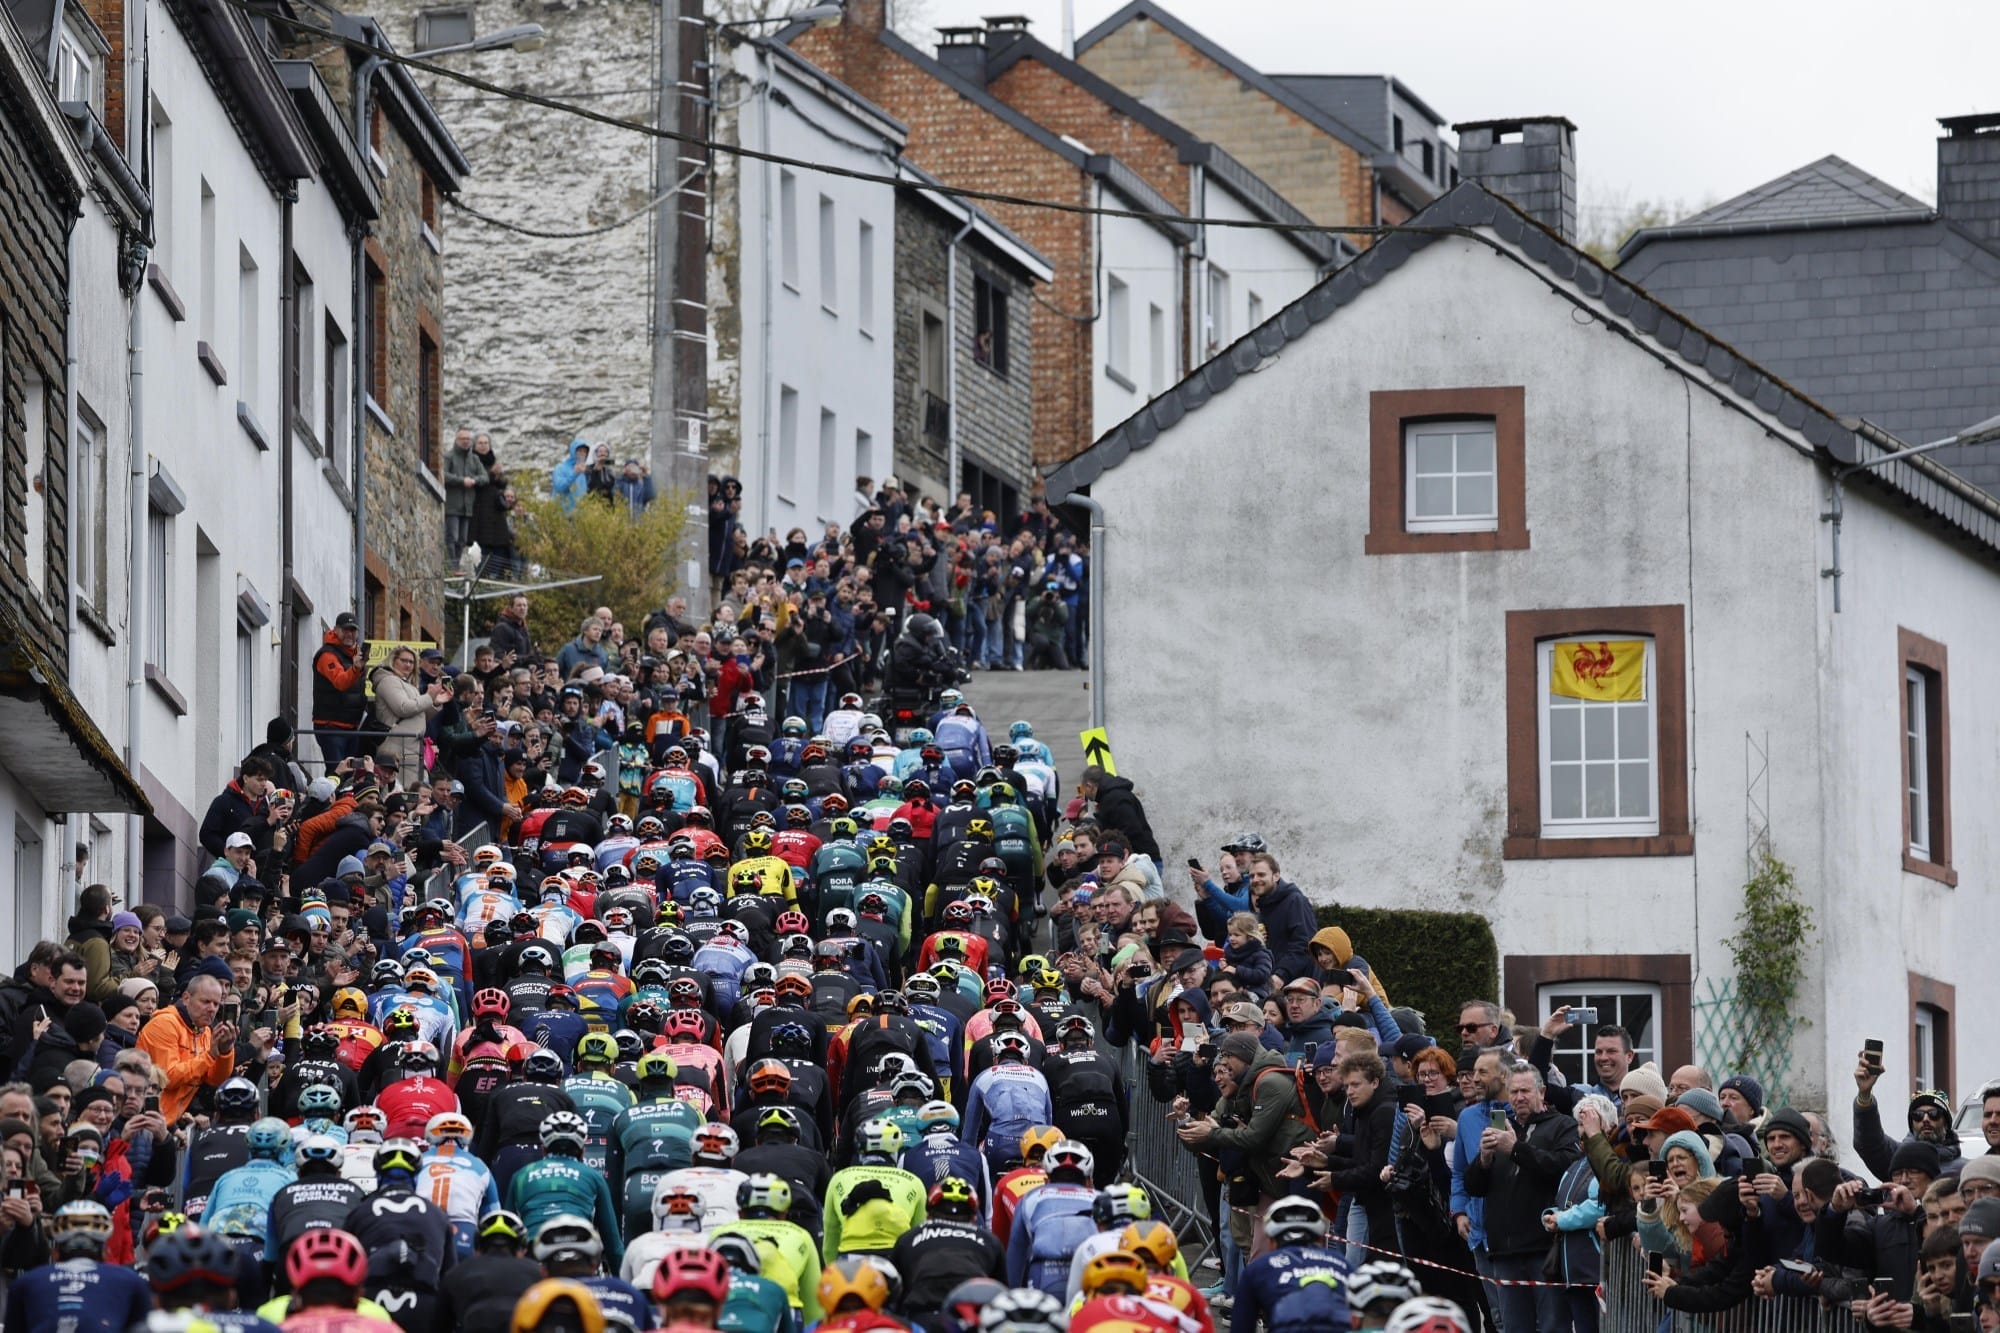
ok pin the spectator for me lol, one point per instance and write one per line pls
(1117, 806)
(1048, 624)
(635, 486)
(1260, 1118)
(240, 807)
(1286, 916)
(493, 525)
(188, 1046)
(1518, 1165)
(338, 702)
(570, 481)
(601, 480)
(465, 475)
(586, 649)
(405, 706)
(509, 636)
(90, 936)
(1928, 1118)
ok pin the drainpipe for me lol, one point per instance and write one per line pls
(288, 407)
(364, 77)
(1836, 510)
(771, 272)
(69, 431)
(1096, 512)
(951, 359)
(135, 597)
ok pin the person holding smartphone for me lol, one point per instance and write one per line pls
(192, 1042)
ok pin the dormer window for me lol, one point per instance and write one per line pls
(80, 55)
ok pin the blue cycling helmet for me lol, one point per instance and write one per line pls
(270, 1138)
(319, 1100)
(1021, 729)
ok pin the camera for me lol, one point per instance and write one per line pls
(1873, 1198)
(1138, 971)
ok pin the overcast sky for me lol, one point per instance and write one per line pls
(1692, 102)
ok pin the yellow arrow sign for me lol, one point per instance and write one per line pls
(1097, 750)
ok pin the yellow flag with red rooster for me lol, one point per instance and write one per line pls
(1613, 670)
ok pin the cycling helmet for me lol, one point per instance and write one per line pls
(448, 1127)
(792, 1036)
(492, 1000)
(740, 1252)
(1036, 1142)
(1070, 1157)
(793, 726)
(618, 920)
(793, 922)
(1120, 1204)
(1115, 1268)
(1382, 1280)
(421, 977)
(852, 1283)
(937, 1117)
(957, 914)
(1011, 1046)
(758, 840)
(1048, 979)
(326, 1254)
(1075, 1025)
(562, 993)
(630, 1048)
(388, 972)
(485, 854)
(764, 1195)
(564, 1130)
(542, 1066)
(798, 816)
(190, 1254)
(676, 1208)
(650, 972)
(780, 1120)
(1427, 1314)
(1023, 1310)
(536, 955)
(686, 1025)
(364, 1120)
(702, 1273)
(350, 1002)
(954, 1192)
(657, 1067)
(773, 1076)
(1152, 1241)
(677, 948)
(1295, 1221)
(319, 1150)
(715, 1144)
(596, 1048)
(319, 1044)
(963, 1303)
(397, 1155)
(270, 1139)
(878, 1141)
(236, 1099)
(418, 1055)
(81, 1227)
(587, 932)
(566, 1238)
(918, 1085)
(498, 1225)
(317, 1101)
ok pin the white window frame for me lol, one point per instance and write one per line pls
(246, 687)
(829, 255)
(787, 476)
(1917, 743)
(788, 229)
(1546, 763)
(88, 501)
(76, 69)
(1923, 1059)
(1455, 521)
(1117, 321)
(864, 280)
(1573, 1048)
(159, 586)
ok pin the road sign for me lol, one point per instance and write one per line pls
(1097, 750)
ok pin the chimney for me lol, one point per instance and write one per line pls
(1968, 179)
(869, 16)
(1530, 162)
(1004, 31)
(963, 52)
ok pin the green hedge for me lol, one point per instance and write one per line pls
(1431, 961)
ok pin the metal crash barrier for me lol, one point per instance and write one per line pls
(1157, 1160)
(1628, 1308)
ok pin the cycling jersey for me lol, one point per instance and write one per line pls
(78, 1296)
(553, 1186)
(787, 1256)
(240, 1204)
(868, 1208)
(462, 1185)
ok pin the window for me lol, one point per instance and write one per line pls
(208, 294)
(788, 228)
(1218, 309)
(989, 323)
(1932, 1004)
(298, 365)
(1430, 160)
(1156, 350)
(427, 211)
(249, 340)
(1256, 310)
(34, 497)
(76, 70)
(1449, 477)
(829, 258)
(1396, 130)
(1926, 758)
(430, 404)
(864, 454)
(88, 500)
(158, 581)
(1117, 327)
(827, 495)
(1597, 733)
(788, 444)
(28, 891)
(375, 331)
(932, 348)
(1634, 1006)
(162, 184)
(443, 27)
(864, 279)
(247, 737)
(333, 419)
(1433, 485)
(1927, 1027)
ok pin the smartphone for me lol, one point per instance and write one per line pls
(1583, 1014)
(267, 1019)
(1870, 1198)
(1871, 1051)
(1340, 977)
(152, 1103)
(1799, 1266)
(1496, 1119)
(1656, 1263)
(1194, 863)
(1657, 1169)
(231, 1013)
(1310, 1056)
(16, 1190)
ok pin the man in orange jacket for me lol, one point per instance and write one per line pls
(339, 699)
(188, 1046)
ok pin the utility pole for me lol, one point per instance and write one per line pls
(679, 451)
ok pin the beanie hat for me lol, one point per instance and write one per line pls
(1915, 1155)
(1790, 1121)
(1642, 1108)
(134, 987)
(1239, 1046)
(1985, 1167)
(1981, 1219)
(1930, 1097)
(1701, 1104)
(117, 1003)
(1646, 1081)
(1748, 1088)
(122, 920)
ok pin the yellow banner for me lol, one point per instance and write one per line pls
(378, 655)
(1608, 669)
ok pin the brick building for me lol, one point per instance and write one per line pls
(964, 289)
(967, 137)
(1311, 137)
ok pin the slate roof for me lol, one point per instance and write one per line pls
(1829, 192)
(1941, 494)
(1360, 100)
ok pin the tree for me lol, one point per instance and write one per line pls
(633, 556)
(1608, 222)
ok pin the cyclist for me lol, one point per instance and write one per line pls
(559, 1184)
(480, 1292)
(326, 1269)
(79, 1292)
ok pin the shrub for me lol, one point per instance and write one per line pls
(1432, 962)
(632, 556)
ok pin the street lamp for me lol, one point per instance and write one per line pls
(520, 37)
(820, 16)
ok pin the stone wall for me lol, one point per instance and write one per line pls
(921, 281)
(725, 283)
(550, 338)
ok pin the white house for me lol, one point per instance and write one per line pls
(814, 273)
(1136, 334)
(1242, 275)
(1364, 564)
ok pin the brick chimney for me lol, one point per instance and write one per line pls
(1968, 174)
(1531, 162)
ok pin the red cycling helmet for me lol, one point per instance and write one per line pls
(491, 1000)
(794, 922)
(684, 1023)
(326, 1253)
(701, 1272)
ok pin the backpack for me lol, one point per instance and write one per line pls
(1297, 1076)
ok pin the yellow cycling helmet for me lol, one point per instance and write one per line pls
(757, 840)
(350, 1001)
(1153, 1242)
(536, 1310)
(655, 1066)
(1115, 1268)
(1031, 964)
(849, 1284)
(596, 1048)
(1038, 1141)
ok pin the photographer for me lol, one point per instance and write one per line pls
(920, 660)
(339, 700)
(1048, 623)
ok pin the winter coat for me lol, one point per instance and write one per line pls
(1364, 1150)
(1268, 1117)
(492, 520)
(1519, 1186)
(570, 481)
(1577, 1211)
(459, 466)
(405, 708)
(230, 812)
(337, 699)
(1288, 928)
(1118, 808)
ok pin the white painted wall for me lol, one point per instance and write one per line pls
(1148, 265)
(1260, 264)
(833, 355)
(1356, 715)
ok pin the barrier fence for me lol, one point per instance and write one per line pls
(1629, 1308)
(1156, 1159)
